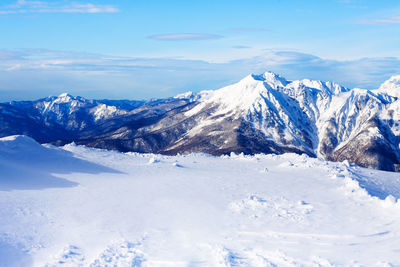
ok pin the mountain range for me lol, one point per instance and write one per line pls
(260, 114)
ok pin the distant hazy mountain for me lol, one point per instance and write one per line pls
(259, 114)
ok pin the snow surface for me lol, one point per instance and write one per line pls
(391, 86)
(78, 206)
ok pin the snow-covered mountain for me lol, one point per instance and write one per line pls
(260, 114)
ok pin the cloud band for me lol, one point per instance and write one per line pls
(24, 6)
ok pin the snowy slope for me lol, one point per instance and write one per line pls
(391, 87)
(78, 206)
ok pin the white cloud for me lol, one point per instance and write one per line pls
(25, 6)
(383, 21)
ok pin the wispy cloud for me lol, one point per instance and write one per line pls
(25, 6)
(383, 21)
(184, 36)
(37, 73)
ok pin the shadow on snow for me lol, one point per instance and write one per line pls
(27, 165)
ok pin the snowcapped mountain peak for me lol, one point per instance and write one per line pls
(313, 84)
(391, 86)
(272, 79)
(64, 97)
(239, 96)
(254, 90)
(187, 95)
(249, 79)
(271, 76)
(329, 88)
(336, 88)
(68, 98)
(244, 93)
(394, 79)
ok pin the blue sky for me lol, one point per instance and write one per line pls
(144, 48)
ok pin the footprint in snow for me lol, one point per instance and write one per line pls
(121, 254)
(70, 256)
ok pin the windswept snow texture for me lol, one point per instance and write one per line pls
(90, 207)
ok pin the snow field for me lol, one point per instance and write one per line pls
(89, 207)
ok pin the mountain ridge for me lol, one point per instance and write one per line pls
(259, 114)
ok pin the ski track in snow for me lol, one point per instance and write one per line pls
(199, 210)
